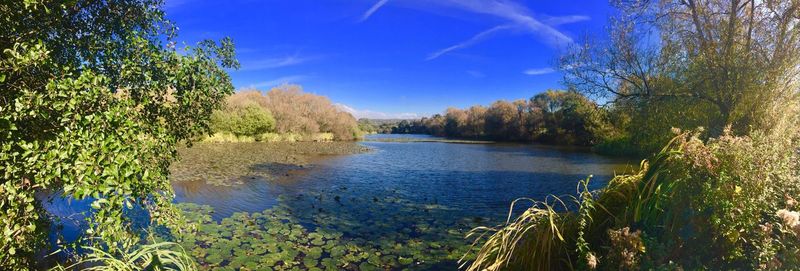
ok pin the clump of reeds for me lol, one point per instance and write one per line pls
(156, 256)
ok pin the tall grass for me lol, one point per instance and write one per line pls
(694, 205)
(158, 256)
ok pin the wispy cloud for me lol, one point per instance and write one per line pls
(476, 74)
(517, 16)
(514, 13)
(464, 44)
(271, 63)
(373, 9)
(369, 114)
(539, 71)
(560, 20)
(279, 81)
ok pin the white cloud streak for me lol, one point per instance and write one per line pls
(539, 71)
(369, 114)
(467, 43)
(373, 9)
(279, 81)
(561, 20)
(517, 16)
(271, 63)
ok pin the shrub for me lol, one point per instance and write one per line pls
(247, 120)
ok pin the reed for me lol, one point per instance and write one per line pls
(165, 256)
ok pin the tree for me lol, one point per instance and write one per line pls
(455, 120)
(735, 60)
(500, 121)
(95, 100)
(570, 118)
(475, 124)
(304, 113)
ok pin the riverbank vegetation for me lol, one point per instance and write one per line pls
(285, 113)
(380, 126)
(554, 116)
(719, 197)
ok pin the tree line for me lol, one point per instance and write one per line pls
(554, 116)
(284, 110)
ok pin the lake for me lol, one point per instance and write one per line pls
(407, 203)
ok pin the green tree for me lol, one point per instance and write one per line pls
(95, 100)
(570, 118)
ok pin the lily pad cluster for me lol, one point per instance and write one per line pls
(387, 234)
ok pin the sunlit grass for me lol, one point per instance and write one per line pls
(545, 237)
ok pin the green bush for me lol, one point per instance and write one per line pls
(249, 120)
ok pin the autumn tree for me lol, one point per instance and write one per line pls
(295, 111)
(455, 121)
(500, 121)
(735, 61)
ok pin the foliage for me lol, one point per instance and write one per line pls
(560, 117)
(720, 204)
(94, 105)
(389, 126)
(688, 64)
(294, 112)
(247, 120)
(156, 257)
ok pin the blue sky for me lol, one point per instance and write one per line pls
(396, 58)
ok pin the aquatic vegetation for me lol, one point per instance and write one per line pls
(293, 235)
(232, 163)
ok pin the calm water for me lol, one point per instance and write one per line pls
(469, 179)
(403, 205)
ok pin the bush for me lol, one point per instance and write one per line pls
(248, 120)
